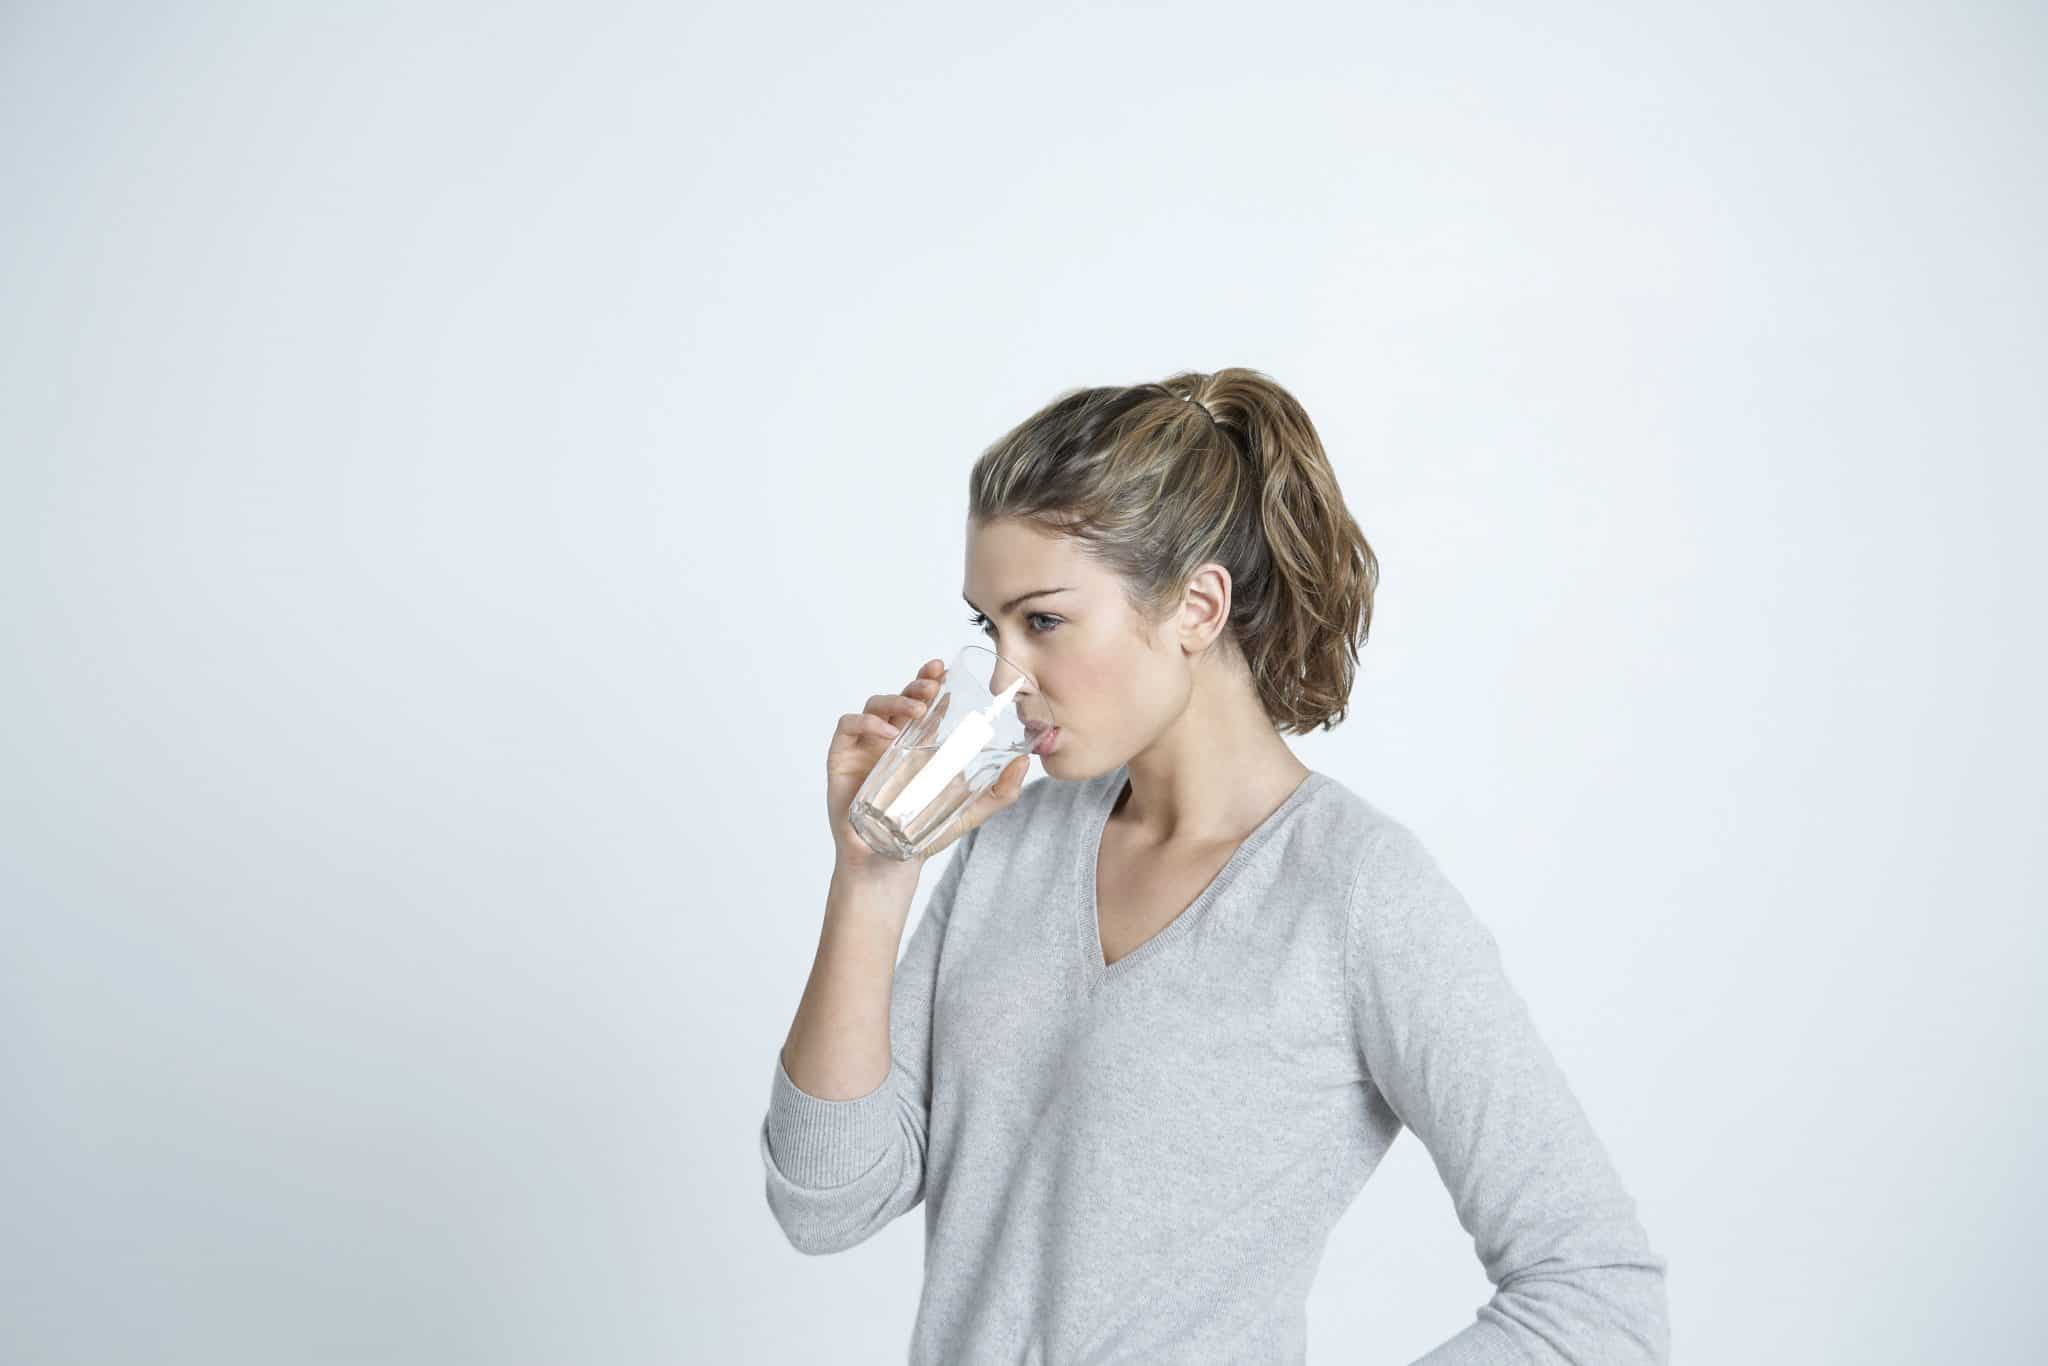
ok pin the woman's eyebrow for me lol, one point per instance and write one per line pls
(1021, 597)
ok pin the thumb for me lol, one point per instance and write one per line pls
(1010, 781)
(1004, 790)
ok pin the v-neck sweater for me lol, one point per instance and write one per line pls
(1141, 1161)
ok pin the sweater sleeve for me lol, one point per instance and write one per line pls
(1450, 1045)
(839, 1170)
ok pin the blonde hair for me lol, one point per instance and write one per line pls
(1156, 479)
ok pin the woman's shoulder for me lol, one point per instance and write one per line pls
(1344, 820)
(1399, 895)
(1374, 857)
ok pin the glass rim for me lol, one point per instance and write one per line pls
(1039, 710)
(1022, 672)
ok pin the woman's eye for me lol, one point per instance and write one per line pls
(983, 622)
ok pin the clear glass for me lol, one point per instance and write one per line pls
(986, 713)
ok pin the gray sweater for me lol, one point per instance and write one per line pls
(1141, 1162)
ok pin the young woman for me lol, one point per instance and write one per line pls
(1162, 1018)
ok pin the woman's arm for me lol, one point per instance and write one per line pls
(1451, 1046)
(843, 1142)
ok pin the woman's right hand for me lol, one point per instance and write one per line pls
(858, 742)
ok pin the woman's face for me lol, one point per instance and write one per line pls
(1112, 684)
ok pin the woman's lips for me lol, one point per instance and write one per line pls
(1046, 738)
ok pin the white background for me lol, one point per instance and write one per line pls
(457, 462)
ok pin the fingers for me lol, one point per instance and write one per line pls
(855, 727)
(894, 705)
(911, 702)
(887, 714)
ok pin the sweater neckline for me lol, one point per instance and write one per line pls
(1089, 913)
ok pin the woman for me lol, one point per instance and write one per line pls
(1162, 1019)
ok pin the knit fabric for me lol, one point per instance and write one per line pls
(1142, 1161)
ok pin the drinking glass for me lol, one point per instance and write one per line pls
(987, 712)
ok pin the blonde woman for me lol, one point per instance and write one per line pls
(1162, 1017)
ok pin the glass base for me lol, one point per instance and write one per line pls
(880, 833)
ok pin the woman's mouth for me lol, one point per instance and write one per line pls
(1047, 739)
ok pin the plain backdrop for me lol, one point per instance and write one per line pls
(457, 462)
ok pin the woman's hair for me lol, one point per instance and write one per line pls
(1156, 479)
